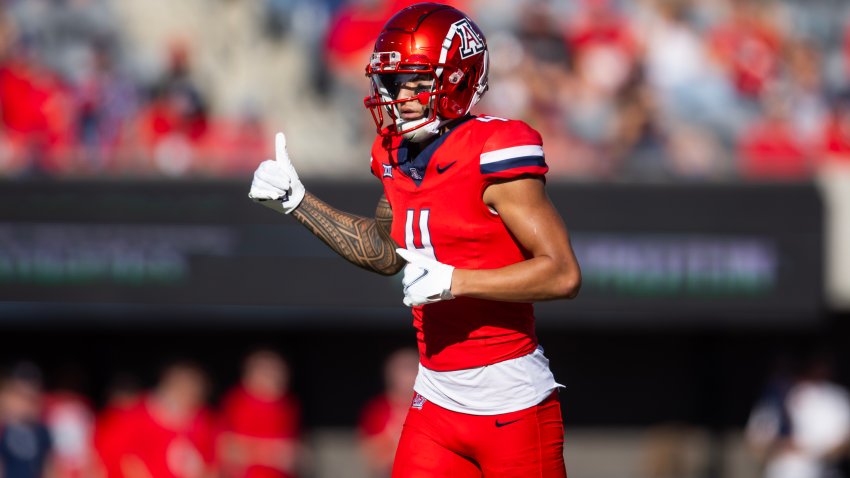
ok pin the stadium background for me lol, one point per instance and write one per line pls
(699, 152)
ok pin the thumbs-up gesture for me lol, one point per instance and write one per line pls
(276, 184)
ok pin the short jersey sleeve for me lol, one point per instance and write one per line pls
(512, 149)
(377, 152)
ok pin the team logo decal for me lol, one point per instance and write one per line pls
(415, 174)
(418, 401)
(470, 42)
(388, 170)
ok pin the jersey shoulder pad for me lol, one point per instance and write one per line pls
(511, 148)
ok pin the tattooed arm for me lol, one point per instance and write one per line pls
(364, 242)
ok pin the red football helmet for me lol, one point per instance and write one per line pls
(424, 41)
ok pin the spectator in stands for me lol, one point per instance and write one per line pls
(260, 421)
(806, 91)
(748, 45)
(169, 433)
(383, 416)
(685, 82)
(695, 153)
(107, 102)
(771, 149)
(350, 37)
(70, 102)
(233, 144)
(176, 119)
(603, 44)
(36, 112)
(835, 149)
(25, 444)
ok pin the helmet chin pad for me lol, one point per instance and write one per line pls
(421, 131)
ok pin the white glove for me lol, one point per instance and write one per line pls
(276, 184)
(425, 280)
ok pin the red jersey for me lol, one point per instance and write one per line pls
(437, 206)
(186, 451)
(247, 415)
(111, 435)
(378, 415)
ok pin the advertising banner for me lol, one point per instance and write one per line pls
(201, 251)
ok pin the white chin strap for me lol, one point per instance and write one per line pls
(419, 134)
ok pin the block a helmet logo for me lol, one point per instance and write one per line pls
(470, 42)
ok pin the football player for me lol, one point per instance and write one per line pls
(466, 215)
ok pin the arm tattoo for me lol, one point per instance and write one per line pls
(364, 242)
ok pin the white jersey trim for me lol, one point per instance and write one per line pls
(503, 387)
(510, 153)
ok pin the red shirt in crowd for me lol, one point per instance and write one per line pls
(380, 426)
(772, 150)
(174, 450)
(266, 424)
(836, 144)
(111, 433)
(750, 50)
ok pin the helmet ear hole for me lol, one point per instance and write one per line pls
(450, 109)
(471, 79)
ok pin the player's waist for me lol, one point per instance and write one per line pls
(502, 387)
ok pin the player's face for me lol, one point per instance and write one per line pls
(404, 86)
(413, 110)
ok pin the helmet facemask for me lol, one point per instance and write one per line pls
(420, 84)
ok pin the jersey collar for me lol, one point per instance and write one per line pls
(413, 165)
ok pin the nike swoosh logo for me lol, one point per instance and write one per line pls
(501, 424)
(442, 169)
(424, 273)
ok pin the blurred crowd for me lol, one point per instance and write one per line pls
(620, 89)
(171, 430)
(174, 427)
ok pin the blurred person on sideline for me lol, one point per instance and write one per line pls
(69, 416)
(383, 416)
(260, 421)
(464, 197)
(801, 426)
(169, 433)
(123, 394)
(26, 448)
